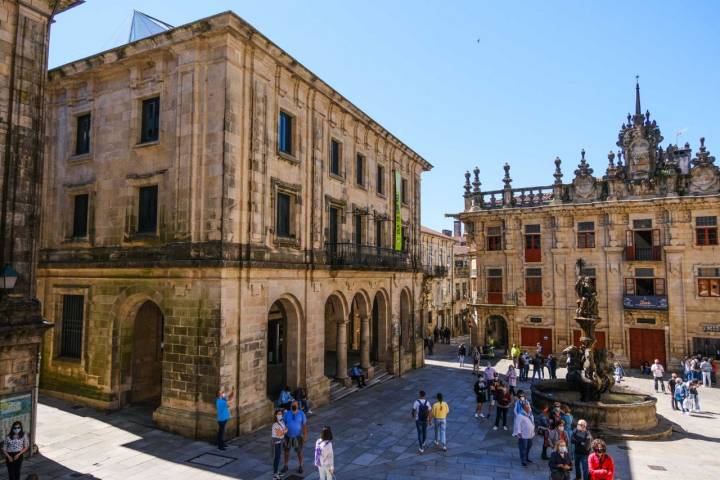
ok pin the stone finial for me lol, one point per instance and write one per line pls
(619, 158)
(467, 183)
(629, 120)
(647, 117)
(702, 144)
(476, 182)
(583, 167)
(611, 159)
(558, 173)
(703, 157)
(506, 179)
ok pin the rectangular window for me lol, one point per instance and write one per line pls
(150, 130)
(333, 225)
(708, 282)
(645, 286)
(335, 157)
(533, 287)
(285, 133)
(494, 239)
(494, 286)
(358, 229)
(82, 136)
(147, 209)
(706, 231)
(378, 234)
(643, 245)
(380, 180)
(586, 235)
(72, 326)
(403, 191)
(360, 169)
(80, 215)
(283, 215)
(642, 224)
(532, 243)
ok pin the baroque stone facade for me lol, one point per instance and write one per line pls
(217, 216)
(647, 231)
(24, 32)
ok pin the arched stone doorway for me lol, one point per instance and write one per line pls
(147, 355)
(497, 330)
(406, 321)
(284, 347)
(359, 332)
(379, 328)
(336, 337)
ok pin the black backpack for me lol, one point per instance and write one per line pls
(423, 410)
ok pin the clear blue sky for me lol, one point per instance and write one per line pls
(468, 83)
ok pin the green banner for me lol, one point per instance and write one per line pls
(398, 212)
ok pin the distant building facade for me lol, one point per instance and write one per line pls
(437, 250)
(646, 229)
(216, 215)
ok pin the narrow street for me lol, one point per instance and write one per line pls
(375, 438)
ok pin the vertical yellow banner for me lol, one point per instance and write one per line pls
(398, 212)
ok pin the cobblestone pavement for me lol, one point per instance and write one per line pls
(375, 438)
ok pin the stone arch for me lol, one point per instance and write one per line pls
(406, 320)
(284, 340)
(125, 310)
(359, 310)
(380, 326)
(335, 343)
(496, 328)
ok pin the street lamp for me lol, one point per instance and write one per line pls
(8, 277)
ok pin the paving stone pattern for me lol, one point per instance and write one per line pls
(375, 438)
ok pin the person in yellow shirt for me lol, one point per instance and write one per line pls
(514, 354)
(440, 410)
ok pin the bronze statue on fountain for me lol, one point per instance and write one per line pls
(589, 369)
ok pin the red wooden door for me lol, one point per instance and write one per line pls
(646, 345)
(529, 337)
(599, 337)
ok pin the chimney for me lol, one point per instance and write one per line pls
(457, 227)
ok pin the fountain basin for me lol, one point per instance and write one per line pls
(619, 413)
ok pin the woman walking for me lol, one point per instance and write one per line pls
(278, 434)
(560, 462)
(440, 410)
(324, 459)
(16, 444)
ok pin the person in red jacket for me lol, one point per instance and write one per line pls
(600, 464)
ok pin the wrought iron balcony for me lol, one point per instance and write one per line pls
(352, 255)
(435, 270)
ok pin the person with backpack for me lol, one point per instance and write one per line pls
(481, 394)
(600, 464)
(476, 359)
(462, 351)
(440, 410)
(681, 394)
(503, 398)
(324, 458)
(582, 442)
(421, 414)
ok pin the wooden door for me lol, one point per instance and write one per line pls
(599, 337)
(147, 354)
(646, 344)
(529, 337)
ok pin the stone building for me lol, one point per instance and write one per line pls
(24, 35)
(217, 216)
(646, 229)
(461, 282)
(437, 262)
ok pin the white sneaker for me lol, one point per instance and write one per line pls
(444, 448)
(505, 428)
(482, 416)
(477, 416)
(421, 450)
(495, 427)
(437, 444)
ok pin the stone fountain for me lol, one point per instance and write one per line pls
(589, 387)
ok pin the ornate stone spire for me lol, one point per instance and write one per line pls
(619, 158)
(703, 157)
(611, 159)
(558, 173)
(638, 111)
(506, 179)
(583, 167)
(476, 182)
(467, 183)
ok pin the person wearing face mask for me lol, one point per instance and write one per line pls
(582, 441)
(524, 430)
(296, 435)
(600, 464)
(503, 399)
(521, 399)
(558, 434)
(223, 414)
(278, 434)
(16, 444)
(560, 462)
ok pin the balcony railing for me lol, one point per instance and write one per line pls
(514, 197)
(462, 271)
(494, 298)
(645, 302)
(435, 270)
(349, 254)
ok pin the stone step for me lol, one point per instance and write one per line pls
(339, 391)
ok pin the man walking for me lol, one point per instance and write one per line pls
(421, 414)
(706, 370)
(524, 430)
(296, 436)
(658, 371)
(440, 410)
(223, 414)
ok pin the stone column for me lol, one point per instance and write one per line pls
(364, 342)
(341, 349)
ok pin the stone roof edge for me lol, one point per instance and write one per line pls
(165, 39)
(435, 233)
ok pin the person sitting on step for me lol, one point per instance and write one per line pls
(358, 375)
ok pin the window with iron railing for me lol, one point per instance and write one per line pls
(495, 286)
(643, 244)
(532, 243)
(72, 326)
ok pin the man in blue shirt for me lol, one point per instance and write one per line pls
(296, 424)
(223, 414)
